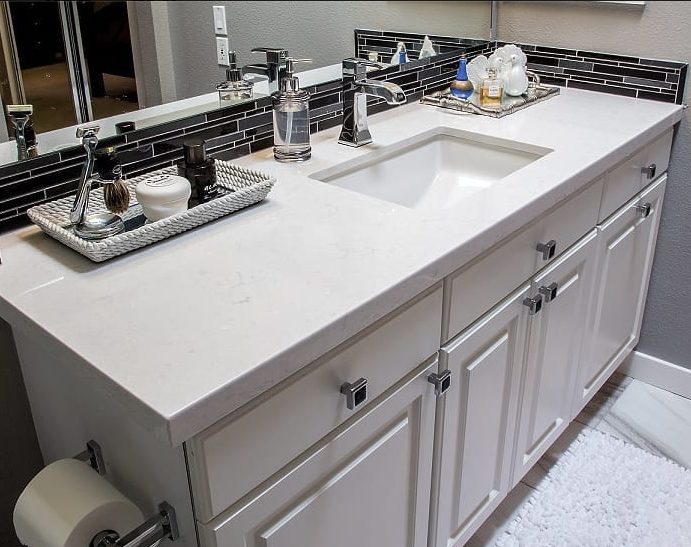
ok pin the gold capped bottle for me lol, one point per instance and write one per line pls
(492, 89)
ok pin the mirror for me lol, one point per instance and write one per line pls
(140, 64)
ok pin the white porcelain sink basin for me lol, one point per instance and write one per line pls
(434, 170)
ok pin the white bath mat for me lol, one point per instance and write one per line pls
(604, 492)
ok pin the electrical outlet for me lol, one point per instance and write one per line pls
(220, 20)
(222, 51)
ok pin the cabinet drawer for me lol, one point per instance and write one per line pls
(368, 483)
(628, 178)
(571, 220)
(482, 284)
(236, 455)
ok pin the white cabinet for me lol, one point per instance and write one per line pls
(555, 336)
(479, 415)
(626, 248)
(367, 483)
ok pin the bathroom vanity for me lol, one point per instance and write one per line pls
(378, 353)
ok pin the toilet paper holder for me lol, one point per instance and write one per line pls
(161, 526)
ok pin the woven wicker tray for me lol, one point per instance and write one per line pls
(241, 188)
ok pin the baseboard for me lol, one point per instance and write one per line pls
(658, 372)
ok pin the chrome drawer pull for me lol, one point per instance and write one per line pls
(356, 393)
(643, 210)
(649, 171)
(548, 249)
(441, 382)
(533, 304)
(549, 291)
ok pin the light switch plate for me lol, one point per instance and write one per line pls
(222, 50)
(220, 20)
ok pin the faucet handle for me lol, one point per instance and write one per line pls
(275, 55)
(87, 131)
(354, 66)
(290, 61)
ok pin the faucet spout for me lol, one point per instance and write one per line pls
(388, 91)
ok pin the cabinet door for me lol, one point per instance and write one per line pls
(479, 416)
(367, 483)
(626, 244)
(555, 337)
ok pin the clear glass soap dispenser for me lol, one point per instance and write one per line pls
(291, 117)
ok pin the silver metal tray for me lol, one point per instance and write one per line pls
(535, 94)
(239, 187)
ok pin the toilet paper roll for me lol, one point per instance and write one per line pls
(67, 504)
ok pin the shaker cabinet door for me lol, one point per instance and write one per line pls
(555, 338)
(479, 416)
(367, 483)
(626, 247)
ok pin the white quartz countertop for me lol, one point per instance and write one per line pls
(185, 331)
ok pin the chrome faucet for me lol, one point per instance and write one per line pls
(274, 68)
(356, 88)
(100, 225)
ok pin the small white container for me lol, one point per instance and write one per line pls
(163, 196)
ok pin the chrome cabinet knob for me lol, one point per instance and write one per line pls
(649, 171)
(549, 292)
(548, 250)
(533, 304)
(441, 382)
(644, 210)
(356, 393)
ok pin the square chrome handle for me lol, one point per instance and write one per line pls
(649, 171)
(549, 292)
(356, 393)
(548, 250)
(441, 382)
(644, 210)
(533, 304)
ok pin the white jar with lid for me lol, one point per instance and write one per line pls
(162, 196)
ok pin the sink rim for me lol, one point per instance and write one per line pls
(403, 146)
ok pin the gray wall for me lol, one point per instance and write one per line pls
(661, 30)
(20, 458)
(322, 31)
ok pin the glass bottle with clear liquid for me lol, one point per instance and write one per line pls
(291, 118)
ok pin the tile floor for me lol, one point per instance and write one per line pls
(649, 417)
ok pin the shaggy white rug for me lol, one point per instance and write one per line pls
(604, 492)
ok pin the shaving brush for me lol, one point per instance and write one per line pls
(116, 195)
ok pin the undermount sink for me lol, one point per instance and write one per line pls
(434, 170)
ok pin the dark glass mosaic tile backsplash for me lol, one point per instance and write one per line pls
(239, 130)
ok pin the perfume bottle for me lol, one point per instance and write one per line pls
(462, 87)
(492, 89)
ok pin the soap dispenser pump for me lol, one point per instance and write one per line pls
(291, 117)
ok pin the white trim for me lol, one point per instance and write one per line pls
(658, 372)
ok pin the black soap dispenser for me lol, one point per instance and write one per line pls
(200, 170)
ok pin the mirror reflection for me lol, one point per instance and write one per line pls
(133, 65)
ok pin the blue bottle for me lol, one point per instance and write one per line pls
(462, 87)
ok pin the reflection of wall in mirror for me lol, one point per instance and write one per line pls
(322, 31)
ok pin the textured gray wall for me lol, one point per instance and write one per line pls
(20, 458)
(661, 31)
(322, 31)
